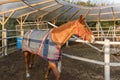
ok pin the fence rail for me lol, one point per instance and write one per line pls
(106, 51)
(7, 35)
(7, 42)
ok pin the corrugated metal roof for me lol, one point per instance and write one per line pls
(58, 10)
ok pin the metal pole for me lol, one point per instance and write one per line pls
(107, 59)
(59, 66)
(67, 43)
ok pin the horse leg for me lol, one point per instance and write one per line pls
(31, 60)
(47, 73)
(27, 59)
(55, 70)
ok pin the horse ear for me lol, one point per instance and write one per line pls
(81, 18)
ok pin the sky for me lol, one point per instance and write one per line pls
(101, 1)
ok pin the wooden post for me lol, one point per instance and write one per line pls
(99, 23)
(98, 29)
(5, 41)
(4, 33)
(114, 18)
(21, 22)
(59, 66)
(107, 59)
(21, 27)
(67, 43)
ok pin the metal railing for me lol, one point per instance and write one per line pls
(7, 41)
(5, 49)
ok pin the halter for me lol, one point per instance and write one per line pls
(80, 30)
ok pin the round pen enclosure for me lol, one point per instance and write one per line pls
(96, 61)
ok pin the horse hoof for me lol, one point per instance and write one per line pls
(30, 66)
(46, 78)
(27, 75)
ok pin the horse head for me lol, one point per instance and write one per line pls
(83, 30)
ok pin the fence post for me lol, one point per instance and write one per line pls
(59, 66)
(107, 59)
(21, 32)
(67, 43)
(4, 42)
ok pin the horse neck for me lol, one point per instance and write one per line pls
(62, 34)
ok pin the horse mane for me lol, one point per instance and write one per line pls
(63, 26)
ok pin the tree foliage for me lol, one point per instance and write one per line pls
(89, 3)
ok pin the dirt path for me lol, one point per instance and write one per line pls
(12, 66)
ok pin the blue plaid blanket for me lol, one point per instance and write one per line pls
(39, 42)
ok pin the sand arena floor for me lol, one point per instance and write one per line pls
(12, 66)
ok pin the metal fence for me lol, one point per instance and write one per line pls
(8, 44)
(9, 47)
(8, 38)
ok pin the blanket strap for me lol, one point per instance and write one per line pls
(28, 36)
(41, 45)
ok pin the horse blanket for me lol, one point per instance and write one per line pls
(39, 42)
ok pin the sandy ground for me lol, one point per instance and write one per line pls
(12, 66)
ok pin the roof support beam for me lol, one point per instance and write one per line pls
(62, 13)
(19, 8)
(99, 15)
(86, 13)
(74, 15)
(4, 21)
(55, 18)
(41, 16)
(102, 20)
(9, 16)
(118, 12)
(98, 25)
(9, 1)
(21, 21)
(39, 9)
(114, 18)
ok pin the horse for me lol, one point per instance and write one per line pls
(56, 37)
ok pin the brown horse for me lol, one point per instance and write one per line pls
(59, 36)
